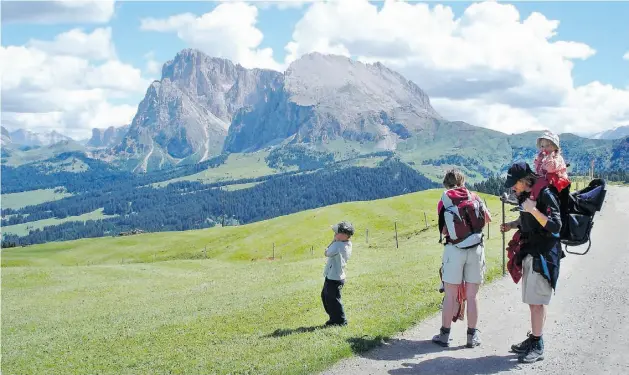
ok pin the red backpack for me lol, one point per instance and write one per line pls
(461, 215)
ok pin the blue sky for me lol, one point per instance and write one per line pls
(602, 26)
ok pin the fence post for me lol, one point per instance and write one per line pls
(396, 242)
(273, 250)
(205, 252)
(425, 219)
(504, 248)
(367, 236)
(487, 223)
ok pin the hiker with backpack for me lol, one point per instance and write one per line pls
(539, 250)
(462, 217)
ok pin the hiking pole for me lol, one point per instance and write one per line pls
(503, 199)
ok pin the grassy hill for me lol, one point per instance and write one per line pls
(216, 301)
(26, 198)
(19, 157)
(24, 228)
(236, 167)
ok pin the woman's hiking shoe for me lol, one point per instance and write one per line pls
(443, 338)
(473, 339)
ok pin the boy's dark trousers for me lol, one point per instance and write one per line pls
(331, 297)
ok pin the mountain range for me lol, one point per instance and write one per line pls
(23, 137)
(213, 143)
(203, 107)
(615, 133)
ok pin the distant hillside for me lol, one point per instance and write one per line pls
(616, 133)
(192, 205)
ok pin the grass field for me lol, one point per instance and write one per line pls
(369, 162)
(235, 187)
(24, 228)
(237, 166)
(215, 301)
(72, 165)
(33, 197)
(579, 182)
(42, 153)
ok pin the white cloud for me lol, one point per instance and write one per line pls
(57, 12)
(96, 45)
(50, 85)
(626, 56)
(228, 31)
(279, 4)
(488, 67)
(288, 4)
(93, 114)
(586, 109)
(153, 67)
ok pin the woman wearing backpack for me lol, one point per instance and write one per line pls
(462, 216)
(540, 253)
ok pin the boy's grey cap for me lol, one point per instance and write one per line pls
(343, 227)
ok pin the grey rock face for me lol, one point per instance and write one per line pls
(190, 109)
(203, 106)
(107, 137)
(322, 97)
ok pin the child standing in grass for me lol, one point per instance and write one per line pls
(338, 254)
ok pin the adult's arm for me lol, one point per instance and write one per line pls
(552, 221)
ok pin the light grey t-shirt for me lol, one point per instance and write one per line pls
(338, 254)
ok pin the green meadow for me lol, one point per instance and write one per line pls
(232, 300)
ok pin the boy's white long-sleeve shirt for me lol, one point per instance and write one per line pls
(338, 254)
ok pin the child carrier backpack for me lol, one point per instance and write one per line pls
(577, 214)
(577, 211)
(462, 214)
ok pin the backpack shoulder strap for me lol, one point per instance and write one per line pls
(442, 223)
(540, 185)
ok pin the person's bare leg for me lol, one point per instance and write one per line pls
(449, 304)
(538, 318)
(471, 292)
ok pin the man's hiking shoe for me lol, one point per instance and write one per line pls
(524, 346)
(473, 339)
(333, 324)
(443, 338)
(534, 354)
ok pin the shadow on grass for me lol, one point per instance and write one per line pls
(361, 345)
(286, 332)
